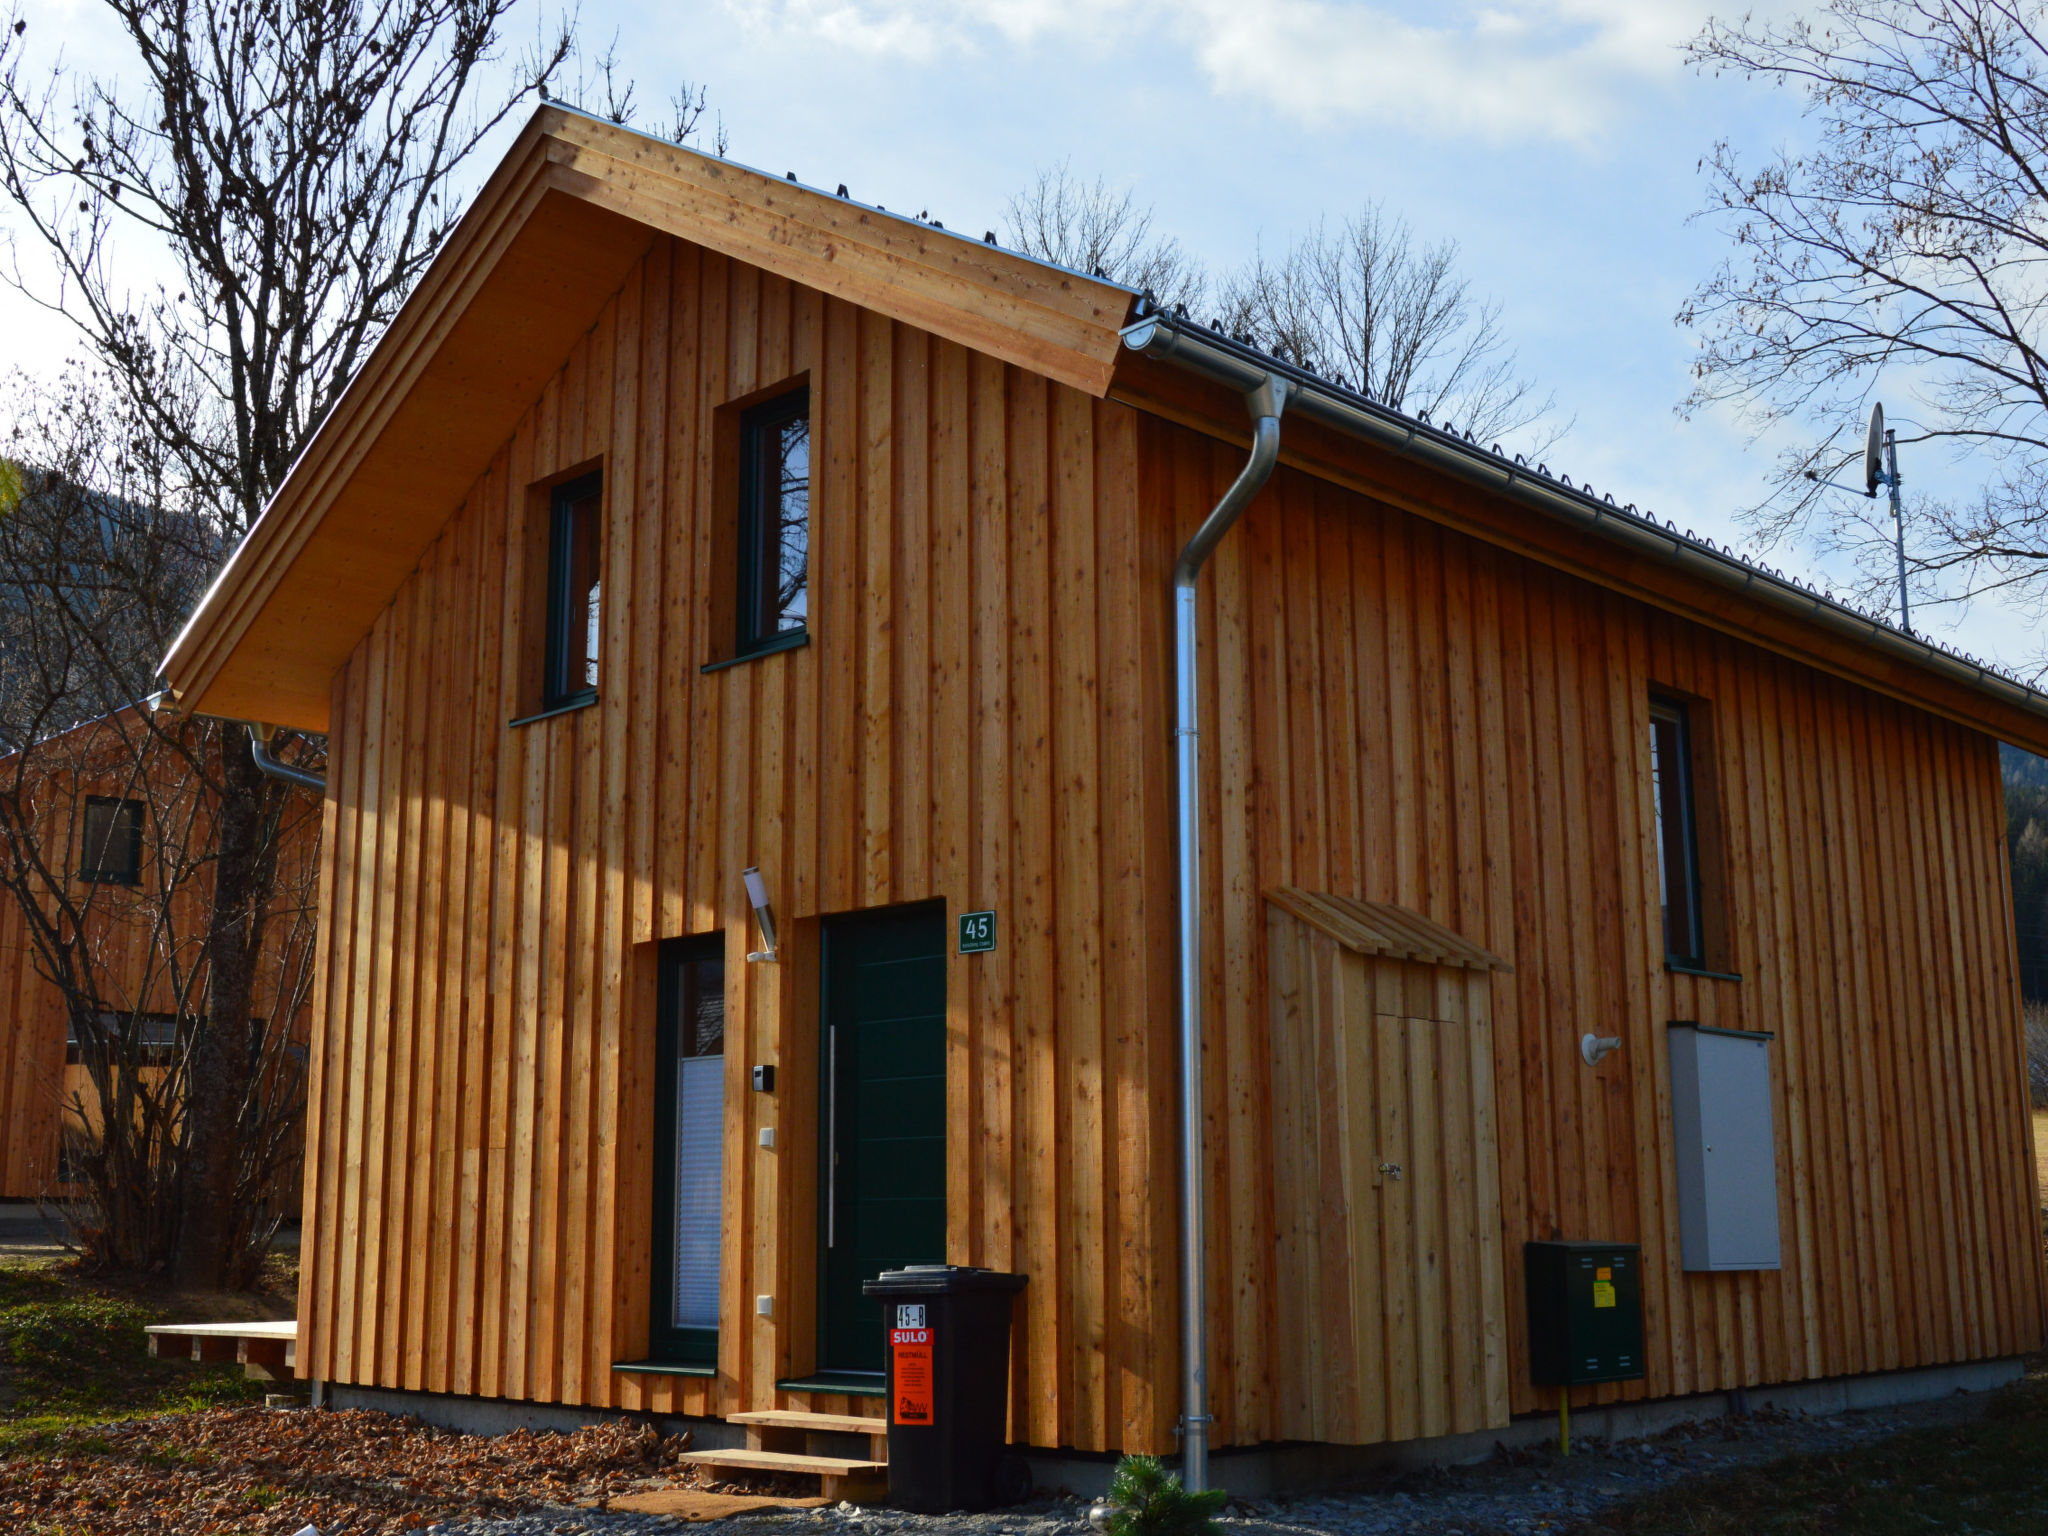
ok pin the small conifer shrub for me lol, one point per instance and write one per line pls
(1150, 1501)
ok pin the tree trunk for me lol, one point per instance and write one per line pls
(223, 1062)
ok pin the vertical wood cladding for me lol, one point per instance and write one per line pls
(965, 723)
(1402, 713)
(1391, 711)
(133, 959)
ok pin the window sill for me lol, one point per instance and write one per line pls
(1678, 969)
(846, 1384)
(567, 706)
(662, 1368)
(796, 639)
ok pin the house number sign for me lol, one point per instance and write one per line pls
(977, 932)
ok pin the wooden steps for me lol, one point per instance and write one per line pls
(814, 1423)
(788, 1442)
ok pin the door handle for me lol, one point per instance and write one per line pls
(832, 1136)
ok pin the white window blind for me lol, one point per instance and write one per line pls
(700, 1141)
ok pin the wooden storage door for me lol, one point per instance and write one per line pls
(1386, 1172)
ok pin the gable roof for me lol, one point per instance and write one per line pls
(577, 201)
(552, 235)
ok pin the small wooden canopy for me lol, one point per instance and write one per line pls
(1375, 928)
(573, 205)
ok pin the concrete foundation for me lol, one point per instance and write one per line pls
(1265, 1470)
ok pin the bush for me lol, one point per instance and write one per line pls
(1150, 1501)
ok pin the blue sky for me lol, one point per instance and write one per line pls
(1557, 141)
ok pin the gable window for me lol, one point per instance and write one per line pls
(1677, 825)
(575, 591)
(113, 840)
(775, 521)
(689, 1157)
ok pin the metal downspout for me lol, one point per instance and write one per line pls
(259, 749)
(1265, 401)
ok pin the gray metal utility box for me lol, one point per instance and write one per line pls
(1726, 1152)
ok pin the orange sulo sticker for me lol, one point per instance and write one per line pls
(910, 1352)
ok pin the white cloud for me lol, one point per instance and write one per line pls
(1551, 68)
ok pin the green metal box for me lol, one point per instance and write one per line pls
(1585, 1312)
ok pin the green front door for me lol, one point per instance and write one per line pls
(884, 1117)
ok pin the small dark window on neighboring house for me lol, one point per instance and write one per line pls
(1678, 863)
(575, 591)
(155, 1037)
(689, 1156)
(113, 840)
(775, 521)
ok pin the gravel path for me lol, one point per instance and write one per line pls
(1516, 1493)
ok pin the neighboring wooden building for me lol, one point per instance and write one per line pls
(89, 795)
(689, 521)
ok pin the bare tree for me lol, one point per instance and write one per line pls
(1365, 303)
(295, 165)
(1362, 302)
(109, 842)
(1908, 242)
(1090, 227)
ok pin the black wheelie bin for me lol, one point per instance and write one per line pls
(948, 1336)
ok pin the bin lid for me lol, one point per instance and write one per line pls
(941, 1280)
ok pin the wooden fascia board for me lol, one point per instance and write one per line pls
(330, 468)
(364, 408)
(1171, 393)
(1038, 317)
(1034, 315)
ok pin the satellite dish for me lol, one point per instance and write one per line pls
(1873, 452)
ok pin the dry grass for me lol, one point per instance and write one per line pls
(2041, 1152)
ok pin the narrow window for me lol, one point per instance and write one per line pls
(575, 591)
(775, 520)
(113, 840)
(1678, 868)
(689, 1150)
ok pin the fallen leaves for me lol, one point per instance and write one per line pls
(259, 1472)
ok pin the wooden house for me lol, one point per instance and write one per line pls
(112, 818)
(690, 522)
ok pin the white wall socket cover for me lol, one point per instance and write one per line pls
(765, 1305)
(768, 1136)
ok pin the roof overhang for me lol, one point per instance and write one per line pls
(550, 238)
(1342, 436)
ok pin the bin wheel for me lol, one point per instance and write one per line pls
(1014, 1482)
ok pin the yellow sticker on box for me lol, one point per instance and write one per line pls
(1603, 1293)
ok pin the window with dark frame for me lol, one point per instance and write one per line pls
(1678, 863)
(689, 1159)
(113, 840)
(575, 616)
(775, 521)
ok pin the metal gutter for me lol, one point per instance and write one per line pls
(1239, 366)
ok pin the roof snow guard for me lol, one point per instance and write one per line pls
(1237, 364)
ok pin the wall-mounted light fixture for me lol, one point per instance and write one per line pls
(1593, 1047)
(757, 893)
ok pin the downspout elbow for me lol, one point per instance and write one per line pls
(259, 750)
(1264, 403)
